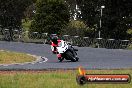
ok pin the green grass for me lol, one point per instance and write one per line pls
(55, 79)
(8, 57)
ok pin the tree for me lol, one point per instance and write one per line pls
(116, 17)
(88, 10)
(12, 12)
(30, 11)
(51, 16)
(75, 13)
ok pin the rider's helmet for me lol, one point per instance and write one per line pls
(54, 39)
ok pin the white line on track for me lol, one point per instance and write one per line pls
(39, 59)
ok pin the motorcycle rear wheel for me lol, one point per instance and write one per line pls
(70, 56)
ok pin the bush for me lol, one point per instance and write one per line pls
(75, 28)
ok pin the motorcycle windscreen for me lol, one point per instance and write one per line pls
(62, 44)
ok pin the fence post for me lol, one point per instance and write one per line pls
(45, 37)
(98, 42)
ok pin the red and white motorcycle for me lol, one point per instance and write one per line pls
(65, 50)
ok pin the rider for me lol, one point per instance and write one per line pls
(54, 43)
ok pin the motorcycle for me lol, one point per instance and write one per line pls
(66, 51)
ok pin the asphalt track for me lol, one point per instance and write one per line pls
(90, 58)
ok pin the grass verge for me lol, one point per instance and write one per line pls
(7, 57)
(54, 79)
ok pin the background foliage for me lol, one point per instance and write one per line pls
(12, 13)
(51, 16)
(73, 17)
(116, 19)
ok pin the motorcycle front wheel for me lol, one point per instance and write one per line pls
(60, 59)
